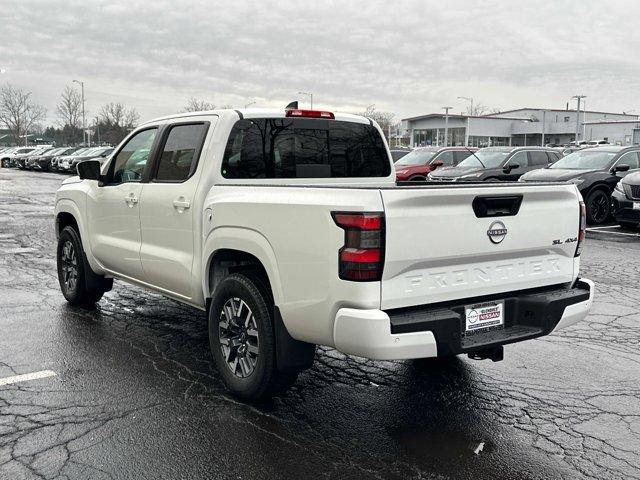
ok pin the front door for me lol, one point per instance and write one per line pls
(113, 211)
(167, 210)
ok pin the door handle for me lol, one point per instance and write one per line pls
(181, 203)
(131, 200)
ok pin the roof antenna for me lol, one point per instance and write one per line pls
(292, 106)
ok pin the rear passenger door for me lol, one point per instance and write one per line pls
(167, 212)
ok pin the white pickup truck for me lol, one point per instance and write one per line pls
(288, 228)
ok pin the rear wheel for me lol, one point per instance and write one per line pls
(417, 178)
(242, 340)
(598, 207)
(71, 270)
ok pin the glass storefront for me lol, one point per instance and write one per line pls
(477, 141)
(434, 136)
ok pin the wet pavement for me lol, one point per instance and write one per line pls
(135, 395)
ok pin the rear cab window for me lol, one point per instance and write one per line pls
(304, 148)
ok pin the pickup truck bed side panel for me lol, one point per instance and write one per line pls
(304, 242)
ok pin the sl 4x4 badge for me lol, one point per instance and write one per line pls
(568, 240)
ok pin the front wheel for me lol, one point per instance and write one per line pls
(242, 341)
(598, 207)
(71, 271)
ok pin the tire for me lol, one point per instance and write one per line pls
(628, 225)
(244, 348)
(417, 178)
(598, 207)
(492, 179)
(71, 271)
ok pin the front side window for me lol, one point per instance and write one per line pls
(630, 158)
(519, 158)
(178, 159)
(131, 160)
(304, 148)
(446, 157)
(538, 159)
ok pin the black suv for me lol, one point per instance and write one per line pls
(497, 164)
(626, 201)
(595, 171)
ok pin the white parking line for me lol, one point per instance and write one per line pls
(27, 376)
(598, 230)
(602, 228)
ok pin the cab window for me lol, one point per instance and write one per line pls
(132, 158)
(180, 153)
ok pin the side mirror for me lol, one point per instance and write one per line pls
(437, 163)
(511, 166)
(623, 167)
(89, 170)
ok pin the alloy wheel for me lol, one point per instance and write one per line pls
(238, 335)
(69, 266)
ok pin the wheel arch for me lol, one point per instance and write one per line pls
(232, 249)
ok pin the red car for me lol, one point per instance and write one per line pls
(417, 164)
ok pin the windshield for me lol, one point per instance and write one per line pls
(485, 158)
(585, 160)
(416, 157)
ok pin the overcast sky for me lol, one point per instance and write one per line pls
(407, 57)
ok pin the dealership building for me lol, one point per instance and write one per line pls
(524, 126)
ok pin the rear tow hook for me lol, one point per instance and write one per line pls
(495, 354)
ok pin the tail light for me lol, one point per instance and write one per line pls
(582, 234)
(362, 256)
(309, 114)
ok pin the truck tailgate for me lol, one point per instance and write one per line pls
(438, 246)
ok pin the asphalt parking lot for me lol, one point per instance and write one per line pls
(129, 390)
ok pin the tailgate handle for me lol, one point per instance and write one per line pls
(500, 206)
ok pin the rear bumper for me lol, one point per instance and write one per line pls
(438, 330)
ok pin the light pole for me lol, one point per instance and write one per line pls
(469, 99)
(310, 95)
(446, 125)
(578, 98)
(84, 125)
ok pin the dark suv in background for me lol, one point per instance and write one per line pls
(595, 171)
(424, 160)
(625, 201)
(497, 164)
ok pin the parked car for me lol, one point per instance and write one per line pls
(9, 158)
(287, 227)
(17, 157)
(43, 161)
(56, 160)
(497, 164)
(21, 161)
(67, 163)
(595, 171)
(626, 201)
(422, 161)
(397, 153)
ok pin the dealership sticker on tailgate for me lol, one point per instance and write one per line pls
(484, 315)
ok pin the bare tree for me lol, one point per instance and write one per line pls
(117, 115)
(69, 109)
(17, 112)
(115, 121)
(477, 110)
(384, 119)
(197, 105)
